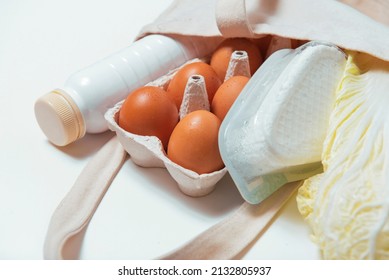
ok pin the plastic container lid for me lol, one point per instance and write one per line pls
(59, 118)
(274, 132)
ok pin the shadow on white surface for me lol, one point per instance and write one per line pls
(86, 146)
(222, 200)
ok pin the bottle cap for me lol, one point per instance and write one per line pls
(59, 118)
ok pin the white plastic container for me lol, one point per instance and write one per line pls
(67, 113)
(274, 132)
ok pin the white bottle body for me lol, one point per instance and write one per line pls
(101, 85)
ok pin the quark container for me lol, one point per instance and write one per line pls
(274, 132)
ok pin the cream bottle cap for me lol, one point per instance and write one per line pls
(59, 118)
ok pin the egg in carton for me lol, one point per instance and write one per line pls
(148, 151)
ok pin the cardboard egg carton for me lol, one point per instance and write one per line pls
(147, 151)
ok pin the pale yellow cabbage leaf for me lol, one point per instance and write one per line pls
(347, 206)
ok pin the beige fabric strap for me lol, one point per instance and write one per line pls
(225, 240)
(376, 9)
(70, 219)
(231, 18)
(323, 20)
(229, 238)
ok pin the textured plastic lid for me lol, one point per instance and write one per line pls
(274, 132)
(59, 118)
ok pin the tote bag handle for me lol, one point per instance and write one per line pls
(231, 18)
(225, 240)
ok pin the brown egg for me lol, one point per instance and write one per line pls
(226, 95)
(177, 85)
(149, 112)
(194, 143)
(221, 57)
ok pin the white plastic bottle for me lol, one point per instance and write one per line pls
(67, 113)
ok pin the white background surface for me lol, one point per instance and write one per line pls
(143, 215)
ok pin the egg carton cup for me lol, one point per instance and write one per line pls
(147, 151)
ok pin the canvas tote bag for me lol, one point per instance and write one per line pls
(353, 25)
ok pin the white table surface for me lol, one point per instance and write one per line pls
(143, 215)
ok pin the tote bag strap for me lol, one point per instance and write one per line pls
(225, 240)
(231, 237)
(231, 18)
(72, 216)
